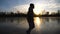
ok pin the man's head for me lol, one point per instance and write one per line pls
(32, 5)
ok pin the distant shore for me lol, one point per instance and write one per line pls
(24, 15)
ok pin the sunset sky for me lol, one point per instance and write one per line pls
(22, 5)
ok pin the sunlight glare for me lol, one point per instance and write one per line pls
(38, 8)
(37, 22)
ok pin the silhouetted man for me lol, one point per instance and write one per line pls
(30, 18)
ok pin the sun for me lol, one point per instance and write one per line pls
(37, 12)
(38, 9)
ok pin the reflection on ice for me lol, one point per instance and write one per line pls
(43, 25)
(37, 22)
(46, 24)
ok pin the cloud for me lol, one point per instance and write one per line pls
(22, 5)
(20, 8)
(57, 1)
(39, 6)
